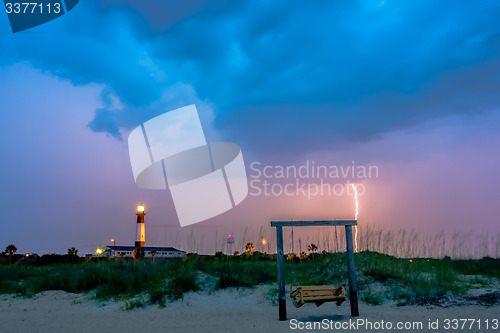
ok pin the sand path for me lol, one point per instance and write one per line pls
(223, 311)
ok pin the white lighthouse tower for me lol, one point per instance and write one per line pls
(140, 236)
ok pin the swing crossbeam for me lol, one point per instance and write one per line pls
(325, 223)
(314, 294)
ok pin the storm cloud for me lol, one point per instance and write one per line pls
(276, 75)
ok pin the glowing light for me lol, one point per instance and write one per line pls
(112, 239)
(356, 218)
(98, 251)
(229, 236)
(411, 260)
(264, 241)
(27, 254)
(140, 208)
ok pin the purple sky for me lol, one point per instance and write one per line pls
(421, 105)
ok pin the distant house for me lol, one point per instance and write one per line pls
(162, 252)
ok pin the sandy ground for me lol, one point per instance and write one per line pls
(229, 310)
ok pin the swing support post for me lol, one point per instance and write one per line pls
(281, 273)
(353, 295)
(353, 288)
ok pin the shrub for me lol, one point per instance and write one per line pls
(373, 298)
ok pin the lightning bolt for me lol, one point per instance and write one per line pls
(356, 218)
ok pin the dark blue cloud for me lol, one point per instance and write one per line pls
(280, 74)
(105, 122)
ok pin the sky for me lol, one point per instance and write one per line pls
(411, 87)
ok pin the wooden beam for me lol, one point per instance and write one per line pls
(353, 289)
(313, 223)
(331, 298)
(281, 273)
(322, 287)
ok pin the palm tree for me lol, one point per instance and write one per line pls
(122, 254)
(249, 248)
(302, 255)
(312, 248)
(73, 251)
(236, 253)
(153, 253)
(10, 250)
(138, 253)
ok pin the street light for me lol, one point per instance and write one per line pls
(114, 247)
(98, 251)
(264, 242)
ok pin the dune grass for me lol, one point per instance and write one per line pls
(167, 280)
(110, 279)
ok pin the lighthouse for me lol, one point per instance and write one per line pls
(140, 236)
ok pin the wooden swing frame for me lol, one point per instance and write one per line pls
(316, 294)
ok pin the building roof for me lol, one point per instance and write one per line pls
(146, 248)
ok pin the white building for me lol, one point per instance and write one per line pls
(162, 252)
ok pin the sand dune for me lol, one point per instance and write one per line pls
(236, 310)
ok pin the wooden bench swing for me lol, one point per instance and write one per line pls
(316, 294)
